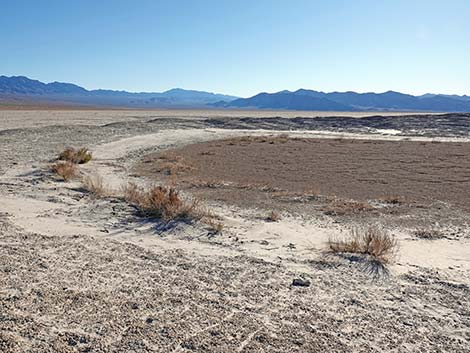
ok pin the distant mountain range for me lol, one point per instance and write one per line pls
(351, 101)
(21, 90)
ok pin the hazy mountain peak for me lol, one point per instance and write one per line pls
(68, 92)
(302, 99)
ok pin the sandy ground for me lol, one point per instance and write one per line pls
(79, 273)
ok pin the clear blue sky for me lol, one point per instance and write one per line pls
(240, 47)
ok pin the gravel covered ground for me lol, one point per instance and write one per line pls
(92, 294)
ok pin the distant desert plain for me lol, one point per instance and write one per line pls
(233, 231)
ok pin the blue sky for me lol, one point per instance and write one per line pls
(240, 47)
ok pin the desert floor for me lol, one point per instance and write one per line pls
(81, 273)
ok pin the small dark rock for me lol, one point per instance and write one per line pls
(188, 345)
(299, 282)
(71, 341)
(149, 320)
(261, 338)
(164, 332)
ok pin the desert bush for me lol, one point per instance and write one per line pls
(393, 199)
(132, 193)
(75, 156)
(68, 154)
(83, 156)
(65, 170)
(373, 241)
(162, 202)
(346, 207)
(426, 233)
(172, 164)
(216, 227)
(273, 216)
(94, 184)
(271, 139)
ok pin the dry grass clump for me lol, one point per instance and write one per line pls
(161, 202)
(393, 199)
(374, 242)
(216, 227)
(172, 164)
(94, 184)
(211, 184)
(65, 170)
(346, 207)
(429, 234)
(80, 156)
(273, 216)
(271, 139)
(292, 196)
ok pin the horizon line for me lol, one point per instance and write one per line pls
(88, 88)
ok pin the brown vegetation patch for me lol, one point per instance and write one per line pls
(346, 207)
(373, 241)
(427, 233)
(76, 156)
(393, 199)
(162, 202)
(94, 184)
(65, 170)
(214, 226)
(273, 216)
(170, 164)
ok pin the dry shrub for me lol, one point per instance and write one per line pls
(282, 138)
(273, 216)
(161, 202)
(215, 227)
(429, 234)
(132, 193)
(75, 156)
(346, 207)
(207, 153)
(374, 242)
(292, 196)
(211, 184)
(264, 187)
(172, 164)
(271, 139)
(65, 170)
(68, 154)
(95, 185)
(393, 199)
